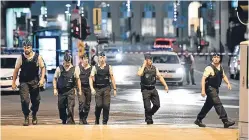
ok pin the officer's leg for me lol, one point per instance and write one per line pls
(24, 95)
(106, 104)
(88, 96)
(155, 101)
(147, 105)
(81, 99)
(62, 106)
(187, 74)
(70, 106)
(192, 76)
(206, 108)
(99, 105)
(35, 99)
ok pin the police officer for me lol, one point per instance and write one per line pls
(29, 63)
(94, 59)
(211, 81)
(85, 97)
(66, 78)
(189, 67)
(148, 74)
(101, 74)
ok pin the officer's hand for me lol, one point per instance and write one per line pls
(203, 93)
(167, 89)
(144, 64)
(114, 93)
(55, 92)
(229, 86)
(80, 92)
(93, 91)
(14, 86)
(41, 82)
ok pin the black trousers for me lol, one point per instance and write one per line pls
(213, 100)
(148, 97)
(84, 102)
(66, 103)
(30, 91)
(190, 71)
(103, 100)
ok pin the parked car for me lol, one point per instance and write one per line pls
(234, 65)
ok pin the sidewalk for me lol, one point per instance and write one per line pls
(116, 132)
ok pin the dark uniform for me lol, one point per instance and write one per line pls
(29, 86)
(93, 63)
(149, 92)
(212, 91)
(66, 84)
(103, 95)
(85, 98)
(188, 64)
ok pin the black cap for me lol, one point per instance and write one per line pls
(215, 54)
(26, 42)
(147, 56)
(67, 58)
(84, 56)
(102, 54)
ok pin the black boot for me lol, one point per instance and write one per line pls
(26, 121)
(199, 123)
(149, 122)
(228, 123)
(85, 122)
(81, 121)
(34, 120)
(64, 121)
(97, 121)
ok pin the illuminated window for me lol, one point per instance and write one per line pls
(148, 22)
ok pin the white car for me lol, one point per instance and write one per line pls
(7, 68)
(113, 54)
(170, 66)
(234, 65)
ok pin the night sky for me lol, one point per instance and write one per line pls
(53, 7)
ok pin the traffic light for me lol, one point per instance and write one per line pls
(75, 29)
(85, 30)
(242, 12)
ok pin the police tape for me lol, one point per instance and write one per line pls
(12, 50)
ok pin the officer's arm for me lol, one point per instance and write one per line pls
(56, 75)
(93, 72)
(206, 74)
(112, 78)
(42, 67)
(225, 78)
(141, 71)
(17, 68)
(77, 76)
(159, 76)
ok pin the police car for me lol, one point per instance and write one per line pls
(169, 65)
(7, 68)
(113, 54)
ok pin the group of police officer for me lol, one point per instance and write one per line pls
(84, 80)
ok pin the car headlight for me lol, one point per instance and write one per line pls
(180, 71)
(119, 56)
(9, 78)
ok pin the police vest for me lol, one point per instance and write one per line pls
(215, 80)
(188, 60)
(102, 77)
(29, 69)
(84, 75)
(66, 79)
(149, 76)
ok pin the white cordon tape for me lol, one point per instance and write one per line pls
(125, 52)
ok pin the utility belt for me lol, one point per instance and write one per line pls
(85, 85)
(64, 90)
(148, 87)
(101, 85)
